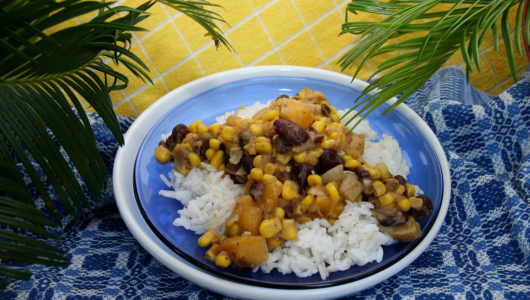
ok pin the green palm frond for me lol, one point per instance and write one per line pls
(457, 28)
(41, 77)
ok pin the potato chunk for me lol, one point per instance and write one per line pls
(297, 113)
(250, 215)
(250, 249)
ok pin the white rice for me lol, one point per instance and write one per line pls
(354, 239)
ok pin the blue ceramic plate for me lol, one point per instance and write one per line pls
(159, 212)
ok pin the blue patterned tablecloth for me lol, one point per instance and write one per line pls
(481, 252)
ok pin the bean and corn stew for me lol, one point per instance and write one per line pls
(297, 163)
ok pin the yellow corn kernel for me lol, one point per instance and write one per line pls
(327, 144)
(215, 129)
(404, 204)
(264, 147)
(184, 171)
(303, 219)
(271, 115)
(334, 135)
(314, 180)
(284, 158)
(352, 164)
(384, 171)
(336, 118)
(217, 159)
(224, 237)
(308, 200)
(332, 221)
(260, 139)
(257, 161)
(289, 229)
(212, 253)
(318, 126)
(214, 144)
(342, 141)
(201, 128)
(411, 191)
(271, 169)
(255, 129)
(279, 213)
(188, 147)
(335, 184)
(290, 190)
(300, 157)
(228, 133)
(278, 183)
(221, 167)
(386, 199)
(333, 110)
(194, 159)
(207, 238)
(416, 203)
(241, 123)
(193, 126)
(233, 229)
(347, 157)
(274, 243)
(400, 190)
(270, 227)
(256, 174)
(379, 188)
(222, 260)
(268, 177)
(375, 174)
(316, 152)
(332, 190)
(162, 155)
(209, 153)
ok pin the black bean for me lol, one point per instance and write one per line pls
(361, 172)
(282, 96)
(248, 163)
(256, 191)
(401, 180)
(305, 171)
(290, 132)
(295, 169)
(282, 146)
(425, 210)
(330, 159)
(241, 179)
(326, 111)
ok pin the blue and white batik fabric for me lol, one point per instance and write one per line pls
(481, 252)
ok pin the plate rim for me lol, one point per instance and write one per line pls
(244, 279)
(147, 238)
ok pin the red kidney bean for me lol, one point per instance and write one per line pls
(281, 146)
(290, 208)
(290, 132)
(326, 111)
(401, 180)
(202, 152)
(282, 96)
(230, 168)
(304, 172)
(296, 97)
(361, 172)
(330, 159)
(283, 176)
(270, 134)
(179, 132)
(248, 163)
(318, 138)
(256, 191)
(425, 210)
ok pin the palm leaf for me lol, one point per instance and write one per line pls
(41, 78)
(448, 31)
